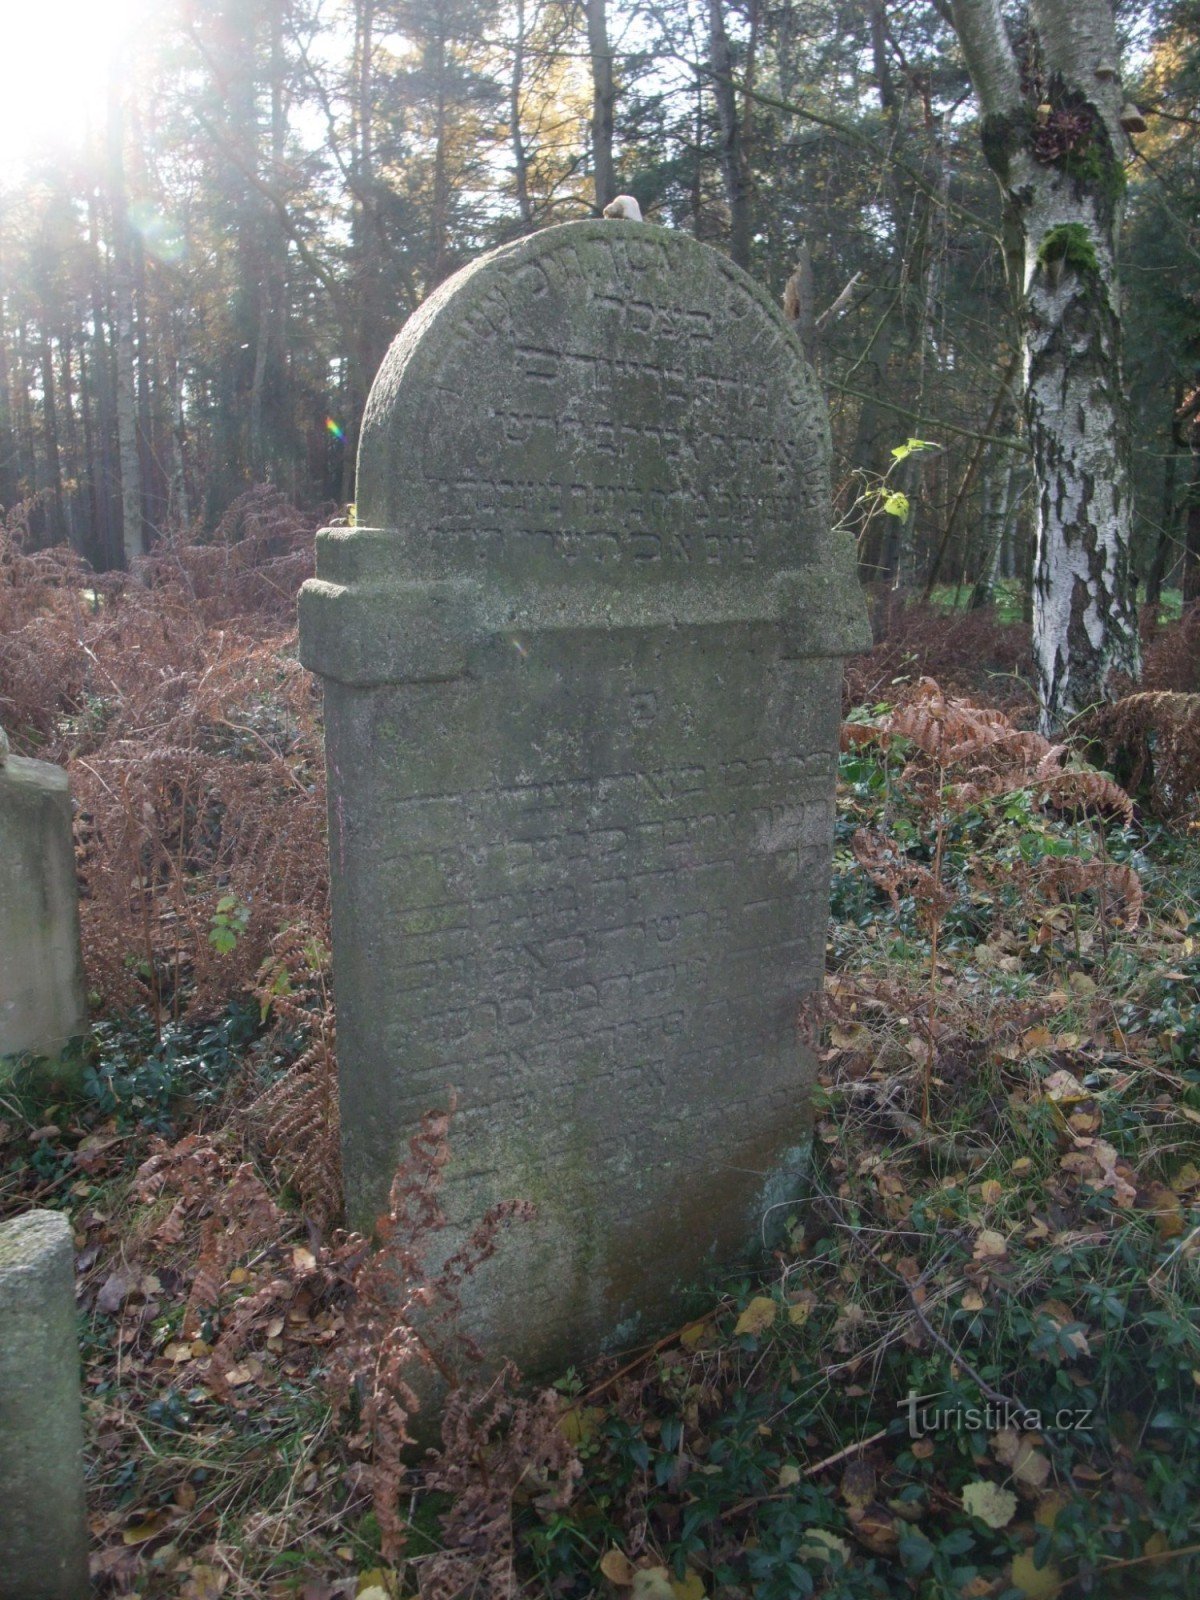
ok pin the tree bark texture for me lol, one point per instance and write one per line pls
(1052, 135)
(604, 97)
(733, 155)
(133, 544)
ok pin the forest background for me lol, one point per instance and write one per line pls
(196, 290)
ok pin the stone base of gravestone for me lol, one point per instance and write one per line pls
(582, 667)
(43, 1527)
(43, 1005)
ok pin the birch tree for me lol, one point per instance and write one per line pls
(1054, 133)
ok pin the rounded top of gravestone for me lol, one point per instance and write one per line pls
(29, 1240)
(601, 399)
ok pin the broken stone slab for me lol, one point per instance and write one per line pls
(43, 1002)
(43, 1527)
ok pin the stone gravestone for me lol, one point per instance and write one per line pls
(43, 1007)
(43, 1531)
(581, 660)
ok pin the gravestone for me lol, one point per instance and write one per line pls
(43, 1006)
(581, 660)
(43, 1531)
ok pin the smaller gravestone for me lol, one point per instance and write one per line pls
(43, 1527)
(43, 1005)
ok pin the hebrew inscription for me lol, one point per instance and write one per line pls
(581, 723)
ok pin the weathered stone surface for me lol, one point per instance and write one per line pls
(43, 1532)
(582, 672)
(43, 1005)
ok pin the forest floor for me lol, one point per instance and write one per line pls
(973, 1371)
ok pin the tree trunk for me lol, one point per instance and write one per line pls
(50, 434)
(604, 98)
(133, 542)
(104, 389)
(10, 470)
(441, 185)
(516, 89)
(1191, 548)
(1057, 147)
(1168, 521)
(733, 153)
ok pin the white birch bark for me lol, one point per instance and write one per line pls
(1063, 215)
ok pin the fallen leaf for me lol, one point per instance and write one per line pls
(204, 1583)
(114, 1292)
(1035, 1583)
(1168, 1212)
(377, 1581)
(876, 1528)
(578, 1424)
(990, 1502)
(789, 1473)
(972, 1300)
(1048, 1508)
(1064, 1088)
(854, 1037)
(803, 1303)
(652, 1583)
(991, 1192)
(989, 1244)
(149, 1528)
(758, 1315)
(617, 1568)
(858, 1483)
(1021, 1456)
(689, 1587)
(821, 1545)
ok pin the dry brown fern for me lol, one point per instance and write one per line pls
(1155, 737)
(235, 1212)
(496, 1444)
(297, 1119)
(403, 1309)
(1114, 884)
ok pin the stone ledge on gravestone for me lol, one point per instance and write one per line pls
(582, 671)
(43, 1004)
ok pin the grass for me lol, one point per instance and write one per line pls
(1009, 600)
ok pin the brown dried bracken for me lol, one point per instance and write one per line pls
(1156, 736)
